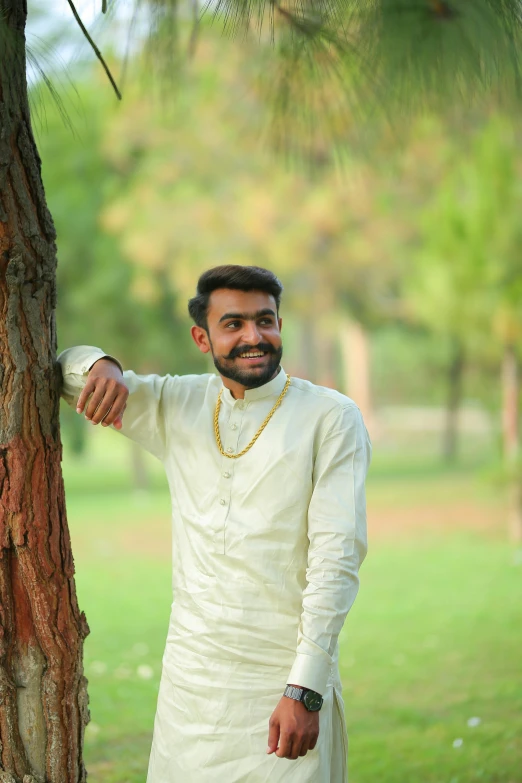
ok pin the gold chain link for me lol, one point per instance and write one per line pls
(258, 433)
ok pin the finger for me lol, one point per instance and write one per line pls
(313, 742)
(273, 735)
(285, 745)
(84, 396)
(118, 423)
(96, 398)
(116, 412)
(305, 747)
(105, 406)
(295, 748)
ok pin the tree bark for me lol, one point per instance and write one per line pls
(511, 439)
(455, 373)
(43, 696)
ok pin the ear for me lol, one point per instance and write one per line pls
(280, 322)
(200, 337)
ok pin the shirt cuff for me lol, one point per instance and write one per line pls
(79, 359)
(106, 356)
(311, 671)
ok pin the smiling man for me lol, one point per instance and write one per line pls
(267, 476)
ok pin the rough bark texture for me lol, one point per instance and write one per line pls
(43, 697)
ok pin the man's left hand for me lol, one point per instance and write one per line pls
(293, 730)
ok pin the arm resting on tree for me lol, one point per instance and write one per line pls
(338, 545)
(144, 418)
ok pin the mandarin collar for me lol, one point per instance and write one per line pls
(271, 389)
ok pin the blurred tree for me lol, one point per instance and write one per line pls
(215, 197)
(466, 283)
(101, 301)
(432, 51)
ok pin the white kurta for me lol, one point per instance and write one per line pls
(266, 552)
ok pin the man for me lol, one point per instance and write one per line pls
(267, 479)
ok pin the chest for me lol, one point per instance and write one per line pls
(248, 506)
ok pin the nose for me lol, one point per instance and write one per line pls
(251, 334)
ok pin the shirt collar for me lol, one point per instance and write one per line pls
(272, 388)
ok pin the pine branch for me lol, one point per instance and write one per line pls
(94, 48)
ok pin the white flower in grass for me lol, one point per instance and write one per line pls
(472, 722)
(145, 672)
(140, 648)
(123, 672)
(98, 667)
(458, 743)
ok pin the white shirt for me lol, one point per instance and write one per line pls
(266, 548)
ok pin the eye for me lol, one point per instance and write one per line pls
(266, 321)
(232, 324)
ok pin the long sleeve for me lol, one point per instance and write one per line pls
(144, 417)
(337, 545)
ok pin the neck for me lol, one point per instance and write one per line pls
(237, 390)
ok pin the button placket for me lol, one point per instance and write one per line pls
(230, 430)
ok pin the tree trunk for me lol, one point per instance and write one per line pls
(326, 370)
(355, 358)
(43, 696)
(455, 373)
(511, 439)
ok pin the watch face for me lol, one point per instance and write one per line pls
(312, 701)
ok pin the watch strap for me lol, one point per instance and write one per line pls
(294, 693)
(312, 701)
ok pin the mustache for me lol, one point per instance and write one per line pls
(265, 347)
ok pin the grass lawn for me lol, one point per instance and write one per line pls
(433, 641)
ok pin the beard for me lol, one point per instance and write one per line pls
(250, 378)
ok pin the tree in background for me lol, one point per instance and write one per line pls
(327, 55)
(466, 283)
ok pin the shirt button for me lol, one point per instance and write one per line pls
(222, 501)
(230, 449)
(226, 474)
(233, 426)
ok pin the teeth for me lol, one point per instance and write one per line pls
(251, 355)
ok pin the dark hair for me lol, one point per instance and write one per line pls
(239, 278)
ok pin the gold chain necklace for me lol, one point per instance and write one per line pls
(258, 433)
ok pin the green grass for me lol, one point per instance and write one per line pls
(433, 640)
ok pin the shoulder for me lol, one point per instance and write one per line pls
(196, 385)
(321, 399)
(331, 413)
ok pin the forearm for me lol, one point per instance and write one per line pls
(76, 363)
(330, 593)
(337, 546)
(105, 395)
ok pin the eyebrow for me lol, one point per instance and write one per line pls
(247, 316)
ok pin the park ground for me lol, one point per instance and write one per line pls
(431, 657)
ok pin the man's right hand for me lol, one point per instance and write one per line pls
(108, 394)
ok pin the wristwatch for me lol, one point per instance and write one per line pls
(312, 701)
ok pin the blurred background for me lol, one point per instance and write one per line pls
(402, 269)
